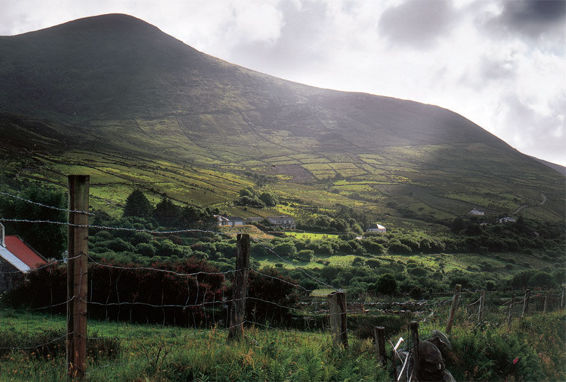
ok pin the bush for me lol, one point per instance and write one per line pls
(305, 255)
(386, 284)
(145, 249)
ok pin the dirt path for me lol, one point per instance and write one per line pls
(542, 203)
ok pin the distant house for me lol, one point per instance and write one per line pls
(236, 220)
(506, 219)
(283, 221)
(377, 228)
(228, 221)
(222, 221)
(476, 212)
(16, 259)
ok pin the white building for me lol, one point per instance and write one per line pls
(377, 228)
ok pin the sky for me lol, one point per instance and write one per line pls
(499, 63)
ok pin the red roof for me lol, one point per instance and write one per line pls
(23, 252)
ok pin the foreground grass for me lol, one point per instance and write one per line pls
(180, 354)
(532, 349)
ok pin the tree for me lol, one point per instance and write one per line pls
(138, 205)
(166, 213)
(386, 284)
(48, 239)
(269, 199)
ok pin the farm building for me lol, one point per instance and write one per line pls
(476, 212)
(230, 221)
(283, 221)
(377, 228)
(236, 220)
(506, 219)
(16, 259)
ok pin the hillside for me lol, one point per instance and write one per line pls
(117, 98)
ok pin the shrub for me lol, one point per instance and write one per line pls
(305, 255)
(145, 249)
(386, 284)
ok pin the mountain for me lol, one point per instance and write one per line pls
(117, 98)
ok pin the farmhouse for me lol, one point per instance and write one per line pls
(16, 259)
(506, 219)
(476, 212)
(228, 221)
(283, 221)
(236, 220)
(377, 228)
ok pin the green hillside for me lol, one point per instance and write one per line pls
(114, 97)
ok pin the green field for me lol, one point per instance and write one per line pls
(149, 352)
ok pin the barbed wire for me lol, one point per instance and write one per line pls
(46, 205)
(110, 228)
(47, 265)
(179, 274)
(33, 347)
(301, 269)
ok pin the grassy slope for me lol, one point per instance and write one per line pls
(118, 99)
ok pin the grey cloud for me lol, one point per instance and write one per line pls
(417, 23)
(541, 135)
(300, 45)
(532, 17)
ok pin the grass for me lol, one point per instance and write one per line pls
(311, 235)
(181, 354)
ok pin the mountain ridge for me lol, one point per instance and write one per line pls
(115, 85)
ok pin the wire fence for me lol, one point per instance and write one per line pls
(201, 298)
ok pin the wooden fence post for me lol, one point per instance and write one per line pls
(337, 311)
(545, 304)
(77, 277)
(453, 308)
(414, 326)
(562, 299)
(481, 310)
(240, 288)
(526, 303)
(379, 337)
(510, 311)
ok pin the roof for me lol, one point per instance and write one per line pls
(12, 259)
(24, 253)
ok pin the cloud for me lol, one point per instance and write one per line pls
(532, 18)
(523, 124)
(417, 23)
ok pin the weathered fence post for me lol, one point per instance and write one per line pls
(482, 306)
(337, 311)
(379, 337)
(510, 311)
(240, 288)
(453, 308)
(77, 273)
(526, 303)
(414, 326)
(562, 299)
(545, 304)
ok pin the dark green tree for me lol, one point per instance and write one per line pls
(48, 239)
(386, 284)
(166, 213)
(269, 199)
(138, 205)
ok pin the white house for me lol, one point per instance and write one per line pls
(16, 259)
(230, 221)
(377, 228)
(506, 219)
(476, 212)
